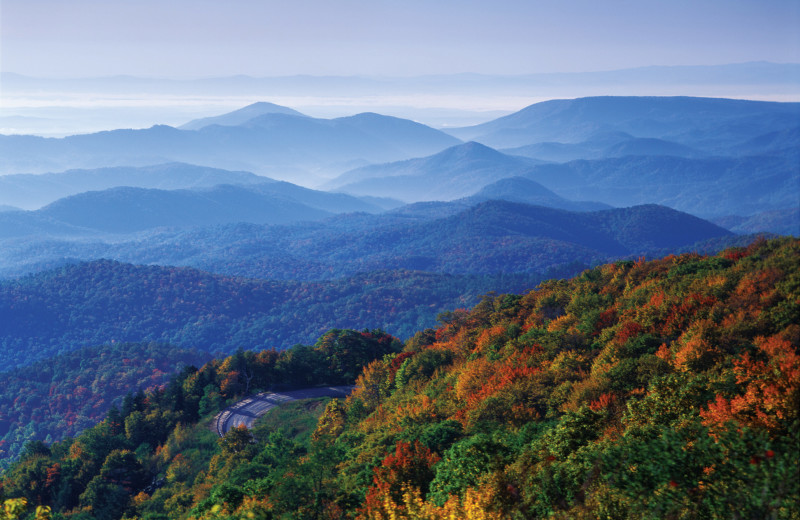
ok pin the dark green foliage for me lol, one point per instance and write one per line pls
(441, 435)
(104, 499)
(463, 465)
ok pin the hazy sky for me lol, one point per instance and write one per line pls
(196, 38)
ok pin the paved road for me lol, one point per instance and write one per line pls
(246, 411)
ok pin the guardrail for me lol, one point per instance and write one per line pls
(276, 399)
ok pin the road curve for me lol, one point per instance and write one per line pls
(246, 411)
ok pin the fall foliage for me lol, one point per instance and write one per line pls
(640, 389)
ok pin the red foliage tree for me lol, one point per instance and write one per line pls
(409, 465)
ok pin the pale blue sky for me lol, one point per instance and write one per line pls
(197, 38)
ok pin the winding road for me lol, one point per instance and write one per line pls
(246, 411)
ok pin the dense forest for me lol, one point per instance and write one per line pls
(639, 389)
(104, 301)
(67, 393)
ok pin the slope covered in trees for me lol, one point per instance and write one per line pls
(67, 393)
(103, 302)
(661, 389)
(93, 475)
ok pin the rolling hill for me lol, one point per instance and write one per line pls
(709, 124)
(128, 210)
(451, 174)
(710, 187)
(526, 191)
(29, 191)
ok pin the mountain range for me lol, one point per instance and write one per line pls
(31, 191)
(151, 100)
(732, 161)
(710, 186)
(395, 271)
(282, 145)
(464, 237)
(451, 174)
(708, 124)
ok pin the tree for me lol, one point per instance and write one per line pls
(238, 441)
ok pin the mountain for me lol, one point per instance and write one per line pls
(242, 115)
(153, 98)
(25, 225)
(708, 187)
(451, 174)
(651, 146)
(323, 200)
(30, 191)
(526, 191)
(603, 145)
(779, 142)
(454, 238)
(709, 124)
(412, 138)
(779, 222)
(127, 210)
(292, 147)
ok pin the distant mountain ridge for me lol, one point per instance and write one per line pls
(293, 147)
(707, 187)
(31, 191)
(603, 145)
(127, 210)
(707, 123)
(392, 95)
(451, 174)
(240, 116)
(456, 238)
(527, 191)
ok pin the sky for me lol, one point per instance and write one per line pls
(203, 38)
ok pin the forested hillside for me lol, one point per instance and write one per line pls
(639, 389)
(66, 393)
(104, 302)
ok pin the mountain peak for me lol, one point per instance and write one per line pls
(240, 116)
(472, 151)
